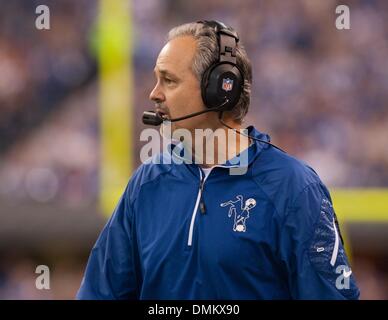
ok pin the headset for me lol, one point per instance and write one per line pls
(221, 83)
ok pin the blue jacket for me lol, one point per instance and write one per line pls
(268, 234)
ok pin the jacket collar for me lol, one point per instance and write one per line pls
(181, 155)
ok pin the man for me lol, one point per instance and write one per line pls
(195, 231)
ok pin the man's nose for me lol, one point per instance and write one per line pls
(157, 95)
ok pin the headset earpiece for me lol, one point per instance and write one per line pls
(222, 80)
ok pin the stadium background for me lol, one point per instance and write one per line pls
(71, 100)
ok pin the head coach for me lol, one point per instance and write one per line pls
(195, 231)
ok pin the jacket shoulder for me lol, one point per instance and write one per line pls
(282, 177)
(150, 170)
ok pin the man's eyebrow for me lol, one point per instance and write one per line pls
(166, 73)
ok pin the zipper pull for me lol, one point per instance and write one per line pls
(202, 206)
(201, 202)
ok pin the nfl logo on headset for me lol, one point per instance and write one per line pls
(227, 84)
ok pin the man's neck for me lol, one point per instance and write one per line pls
(218, 146)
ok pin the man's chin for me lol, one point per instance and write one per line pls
(173, 132)
(167, 129)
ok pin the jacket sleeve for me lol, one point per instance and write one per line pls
(312, 250)
(111, 269)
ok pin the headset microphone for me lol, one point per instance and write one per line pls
(154, 119)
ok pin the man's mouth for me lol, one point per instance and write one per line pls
(163, 112)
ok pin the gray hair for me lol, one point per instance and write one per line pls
(208, 53)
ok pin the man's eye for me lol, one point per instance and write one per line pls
(168, 80)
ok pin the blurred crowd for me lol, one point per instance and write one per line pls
(321, 93)
(48, 122)
(329, 86)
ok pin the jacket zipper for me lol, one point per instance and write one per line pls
(200, 203)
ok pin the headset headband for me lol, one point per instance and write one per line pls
(227, 40)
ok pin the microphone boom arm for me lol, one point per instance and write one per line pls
(154, 119)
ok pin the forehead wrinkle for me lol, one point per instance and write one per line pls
(177, 55)
(164, 72)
